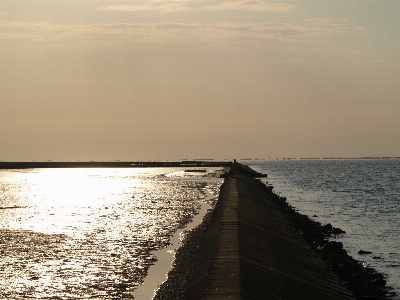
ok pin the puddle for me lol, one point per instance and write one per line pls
(158, 272)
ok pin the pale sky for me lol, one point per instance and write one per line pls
(172, 79)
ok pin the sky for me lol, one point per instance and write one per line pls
(191, 79)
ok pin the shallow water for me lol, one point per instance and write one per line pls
(361, 197)
(165, 257)
(81, 233)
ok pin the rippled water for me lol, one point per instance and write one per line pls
(90, 233)
(361, 197)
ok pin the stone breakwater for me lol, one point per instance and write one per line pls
(363, 282)
(254, 245)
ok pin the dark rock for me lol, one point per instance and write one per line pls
(376, 291)
(377, 257)
(331, 247)
(361, 291)
(343, 252)
(327, 227)
(337, 231)
(379, 282)
(373, 276)
(336, 246)
(343, 272)
(362, 252)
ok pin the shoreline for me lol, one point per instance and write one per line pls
(186, 258)
(157, 273)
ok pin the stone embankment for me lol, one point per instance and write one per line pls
(253, 245)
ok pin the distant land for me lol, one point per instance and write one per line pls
(112, 164)
(317, 158)
(366, 157)
(209, 162)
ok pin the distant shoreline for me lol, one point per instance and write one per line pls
(113, 164)
(156, 164)
(324, 158)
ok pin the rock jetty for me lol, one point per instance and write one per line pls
(254, 245)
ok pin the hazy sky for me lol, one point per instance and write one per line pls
(165, 79)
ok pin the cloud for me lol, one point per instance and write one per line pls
(251, 5)
(331, 26)
(325, 21)
(266, 34)
(160, 5)
(378, 63)
(167, 6)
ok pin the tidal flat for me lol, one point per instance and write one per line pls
(91, 233)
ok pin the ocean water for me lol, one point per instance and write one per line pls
(362, 197)
(91, 233)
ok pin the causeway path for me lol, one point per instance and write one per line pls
(250, 251)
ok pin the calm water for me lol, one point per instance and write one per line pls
(361, 197)
(90, 233)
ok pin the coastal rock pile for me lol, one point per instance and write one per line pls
(363, 282)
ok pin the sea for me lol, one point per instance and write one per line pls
(94, 233)
(360, 196)
(88, 233)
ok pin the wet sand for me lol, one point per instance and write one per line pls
(157, 273)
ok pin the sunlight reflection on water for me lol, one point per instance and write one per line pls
(73, 233)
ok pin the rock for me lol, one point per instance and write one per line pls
(343, 252)
(377, 257)
(379, 282)
(337, 230)
(343, 272)
(327, 227)
(362, 252)
(336, 246)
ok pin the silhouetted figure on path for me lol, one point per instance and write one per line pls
(234, 168)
